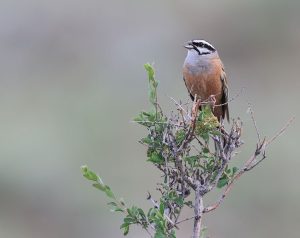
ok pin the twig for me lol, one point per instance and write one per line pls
(228, 101)
(146, 229)
(254, 121)
(179, 105)
(249, 165)
(153, 122)
(231, 183)
(157, 206)
(283, 129)
(232, 99)
(184, 220)
(190, 133)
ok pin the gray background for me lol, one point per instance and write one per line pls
(72, 78)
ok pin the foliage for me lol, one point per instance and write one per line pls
(193, 151)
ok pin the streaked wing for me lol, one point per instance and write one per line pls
(191, 95)
(224, 101)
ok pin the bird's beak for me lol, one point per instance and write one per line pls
(189, 45)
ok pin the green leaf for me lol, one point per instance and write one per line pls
(117, 209)
(146, 140)
(141, 213)
(222, 182)
(159, 234)
(152, 84)
(151, 118)
(126, 230)
(150, 71)
(156, 158)
(179, 201)
(191, 160)
(99, 186)
(124, 225)
(152, 96)
(208, 156)
(205, 136)
(90, 175)
(109, 193)
(112, 204)
(172, 235)
(189, 204)
(129, 220)
(84, 169)
(151, 213)
(180, 136)
(162, 208)
(215, 132)
(234, 170)
(130, 214)
(227, 170)
(121, 200)
(139, 118)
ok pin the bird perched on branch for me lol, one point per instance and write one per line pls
(204, 76)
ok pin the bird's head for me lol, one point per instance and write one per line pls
(201, 47)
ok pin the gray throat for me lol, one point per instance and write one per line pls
(196, 63)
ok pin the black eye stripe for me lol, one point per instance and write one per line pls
(209, 47)
(195, 48)
(198, 44)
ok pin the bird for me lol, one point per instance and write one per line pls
(204, 76)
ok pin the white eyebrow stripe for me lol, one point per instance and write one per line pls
(199, 41)
(205, 43)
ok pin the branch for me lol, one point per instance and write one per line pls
(181, 147)
(246, 168)
(180, 107)
(198, 211)
(283, 129)
(191, 130)
(250, 164)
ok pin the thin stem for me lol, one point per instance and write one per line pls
(281, 131)
(254, 122)
(184, 220)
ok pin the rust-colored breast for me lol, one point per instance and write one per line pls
(206, 82)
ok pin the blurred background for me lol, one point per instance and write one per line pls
(72, 79)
